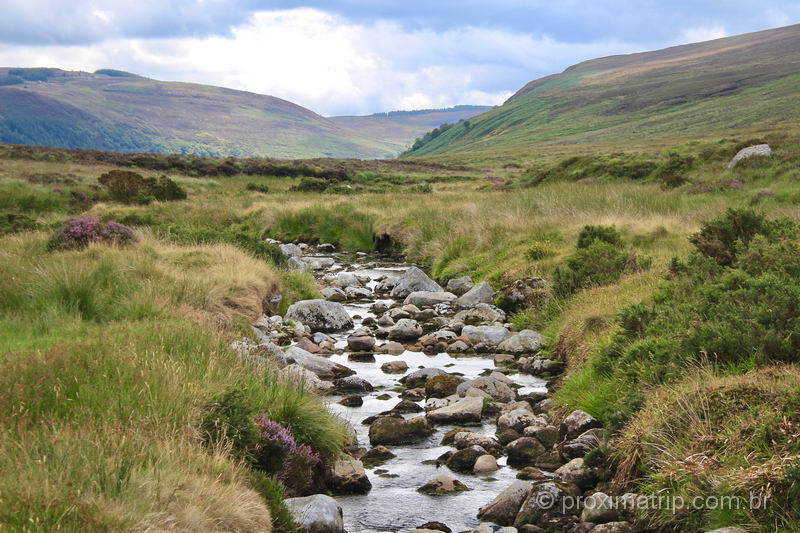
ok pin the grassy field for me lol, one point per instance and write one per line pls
(147, 326)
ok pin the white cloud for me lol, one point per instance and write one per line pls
(332, 66)
(703, 33)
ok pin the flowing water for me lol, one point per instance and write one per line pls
(394, 504)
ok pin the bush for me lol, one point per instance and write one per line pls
(310, 185)
(129, 187)
(590, 234)
(77, 233)
(539, 250)
(257, 187)
(672, 172)
(14, 223)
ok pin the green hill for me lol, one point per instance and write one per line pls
(400, 128)
(119, 111)
(736, 82)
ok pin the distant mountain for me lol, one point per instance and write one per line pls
(399, 129)
(120, 111)
(735, 82)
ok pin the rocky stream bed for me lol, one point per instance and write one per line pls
(449, 410)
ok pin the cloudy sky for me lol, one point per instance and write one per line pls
(362, 56)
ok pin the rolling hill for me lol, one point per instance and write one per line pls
(115, 110)
(400, 128)
(735, 82)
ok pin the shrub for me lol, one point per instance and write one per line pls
(129, 187)
(257, 187)
(310, 185)
(539, 250)
(720, 238)
(590, 234)
(14, 223)
(672, 172)
(77, 233)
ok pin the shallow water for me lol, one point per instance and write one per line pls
(394, 504)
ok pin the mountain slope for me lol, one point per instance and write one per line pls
(123, 112)
(400, 128)
(735, 82)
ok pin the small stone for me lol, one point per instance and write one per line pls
(442, 484)
(394, 367)
(485, 464)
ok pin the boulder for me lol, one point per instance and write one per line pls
(358, 293)
(506, 505)
(428, 298)
(320, 366)
(320, 315)
(348, 477)
(762, 150)
(361, 343)
(526, 341)
(413, 280)
(352, 384)
(547, 435)
(599, 508)
(481, 314)
(407, 406)
(465, 439)
(291, 250)
(518, 420)
(308, 379)
(464, 460)
(548, 497)
(464, 411)
(577, 473)
(442, 386)
(460, 286)
(582, 445)
(346, 279)
(352, 401)
(389, 430)
(442, 484)
(494, 387)
(377, 456)
(576, 423)
(333, 294)
(418, 378)
(490, 336)
(482, 293)
(394, 367)
(316, 514)
(405, 329)
(485, 464)
(524, 451)
(435, 526)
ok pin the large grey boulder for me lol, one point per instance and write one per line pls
(333, 294)
(406, 329)
(518, 420)
(414, 280)
(460, 286)
(482, 293)
(348, 477)
(576, 423)
(489, 336)
(549, 497)
(418, 378)
(291, 250)
(762, 150)
(504, 508)
(577, 473)
(442, 484)
(465, 411)
(316, 514)
(524, 451)
(526, 341)
(599, 508)
(306, 378)
(344, 280)
(480, 315)
(323, 368)
(390, 430)
(429, 298)
(464, 459)
(320, 315)
(494, 387)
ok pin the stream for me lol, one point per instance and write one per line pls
(394, 504)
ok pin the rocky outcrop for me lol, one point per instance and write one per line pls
(320, 315)
(762, 150)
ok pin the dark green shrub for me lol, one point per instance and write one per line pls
(310, 185)
(15, 223)
(600, 263)
(129, 187)
(257, 187)
(672, 171)
(590, 234)
(539, 250)
(229, 419)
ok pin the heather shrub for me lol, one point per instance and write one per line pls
(590, 234)
(257, 187)
(672, 171)
(77, 233)
(128, 187)
(310, 185)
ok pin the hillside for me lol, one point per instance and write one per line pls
(736, 82)
(400, 128)
(119, 111)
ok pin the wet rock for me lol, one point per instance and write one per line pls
(442, 386)
(507, 435)
(464, 411)
(418, 378)
(489, 336)
(526, 341)
(465, 439)
(316, 514)
(493, 386)
(361, 343)
(518, 420)
(599, 508)
(307, 345)
(460, 286)
(435, 526)
(532, 473)
(577, 473)
(391, 348)
(405, 329)
(524, 451)
(320, 366)
(761, 150)
(394, 367)
(291, 250)
(333, 294)
(449, 437)
(481, 314)
(547, 435)
(582, 445)
(343, 280)
(398, 313)
(548, 497)
(413, 280)
(352, 384)
(407, 406)
(391, 431)
(428, 299)
(482, 293)
(504, 508)
(308, 379)
(348, 477)
(320, 315)
(352, 401)
(458, 346)
(485, 464)
(503, 359)
(358, 293)
(377, 456)
(413, 394)
(443, 484)
(576, 423)
(385, 321)
(464, 460)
